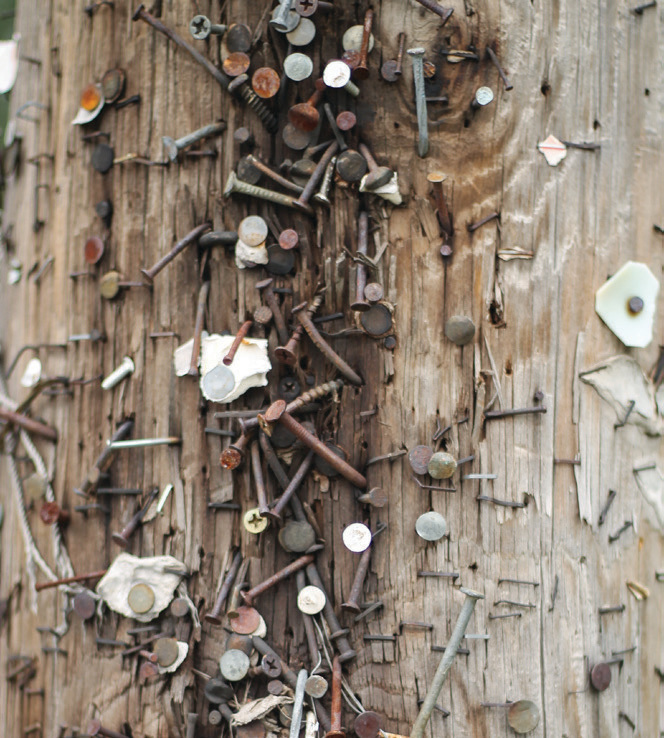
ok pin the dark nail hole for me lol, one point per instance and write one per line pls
(545, 88)
(508, 367)
(596, 125)
(647, 92)
(466, 123)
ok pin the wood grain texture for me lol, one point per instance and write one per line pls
(582, 71)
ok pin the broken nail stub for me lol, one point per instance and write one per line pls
(626, 303)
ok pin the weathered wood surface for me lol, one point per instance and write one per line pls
(583, 71)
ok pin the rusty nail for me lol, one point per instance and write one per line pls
(267, 291)
(239, 337)
(361, 71)
(193, 235)
(249, 595)
(198, 329)
(122, 538)
(214, 616)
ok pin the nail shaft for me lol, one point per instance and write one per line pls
(198, 329)
(192, 236)
(249, 595)
(276, 511)
(214, 616)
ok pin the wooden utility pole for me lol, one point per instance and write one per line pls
(581, 71)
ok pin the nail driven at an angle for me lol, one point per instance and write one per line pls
(331, 119)
(458, 633)
(474, 226)
(626, 526)
(275, 512)
(214, 616)
(287, 354)
(144, 443)
(302, 201)
(417, 55)
(28, 424)
(432, 5)
(172, 147)
(353, 601)
(494, 414)
(198, 329)
(105, 458)
(607, 505)
(122, 538)
(267, 292)
(239, 337)
(338, 634)
(259, 481)
(180, 246)
(70, 580)
(322, 196)
(309, 628)
(250, 595)
(277, 412)
(494, 60)
(276, 177)
(378, 176)
(324, 347)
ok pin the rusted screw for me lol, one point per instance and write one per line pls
(96, 728)
(240, 86)
(391, 69)
(303, 200)
(265, 287)
(192, 236)
(257, 469)
(214, 616)
(198, 329)
(277, 413)
(122, 538)
(432, 5)
(287, 494)
(286, 354)
(232, 456)
(327, 351)
(51, 513)
(445, 665)
(361, 71)
(239, 337)
(200, 27)
(378, 176)
(279, 576)
(360, 304)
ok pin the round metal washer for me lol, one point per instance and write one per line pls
(419, 458)
(234, 665)
(252, 230)
(311, 600)
(351, 165)
(113, 84)
(298, 66)
(316, 686)
(292, 20)
(352, 39)
(218, 382)
(84, 605)
(247, 620)
(297, 536)
(356, 537)
(600, 676)
(523, 716)
(324, 467)
(367, 724)
(216, 691)
(238, 38)
(377, 320)
(167, 651)
(441, 465)
(303, 34)
(102, 157)
(294, 138)
(140, 598)
(431, 526)
(280, 261)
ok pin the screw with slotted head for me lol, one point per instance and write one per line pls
(277, 413)
(201, 27)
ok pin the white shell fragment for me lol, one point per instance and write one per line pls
(32, 373)
(612, 303)
(252, 254)
(183, 650)
(127, 571)
(84, 116)
(554, 151)
(8, 63)
(389, 191)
